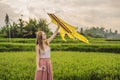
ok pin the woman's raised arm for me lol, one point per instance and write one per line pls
(53, 35)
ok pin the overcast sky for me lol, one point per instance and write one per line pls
(82, 13)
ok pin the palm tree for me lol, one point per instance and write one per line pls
(42, 25)
(7, 20)
(21, 26)
(33, 26)
(7, 25)
(14, 30)
(30, 28)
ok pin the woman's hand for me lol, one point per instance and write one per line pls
(42, 68)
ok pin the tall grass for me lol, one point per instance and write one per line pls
(66, 65)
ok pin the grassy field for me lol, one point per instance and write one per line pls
(67, 65)
(71, 60)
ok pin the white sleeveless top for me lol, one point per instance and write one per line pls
(45, 53)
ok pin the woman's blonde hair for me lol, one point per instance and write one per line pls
(39, 39)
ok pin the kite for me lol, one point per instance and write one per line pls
(67, 29)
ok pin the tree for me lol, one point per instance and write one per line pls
(21, 25)
(81, 30)
(116, 31)
(7, 20)
(110, 31)
(95, 32)
(30, 28)
(25, 28)
(14, 30)
(7, 25)
(42, 25)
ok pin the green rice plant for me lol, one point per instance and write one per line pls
(66, 65)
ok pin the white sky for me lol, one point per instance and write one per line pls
(85, 13)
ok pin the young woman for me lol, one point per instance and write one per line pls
(43, 61)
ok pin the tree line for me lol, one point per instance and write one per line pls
(97, 32)
(29, 28)
(24, 29)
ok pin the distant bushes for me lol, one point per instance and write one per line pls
(32, 40)
(16, 47)
(18, 40)
(112, 39)
(28, 44)
(88, 48)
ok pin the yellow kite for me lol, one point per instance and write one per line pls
(67, 29)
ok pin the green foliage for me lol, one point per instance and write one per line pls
(112, 39)
(98, 32)
(30, 28)
(66, 65)
(42, 24)
(95, 32)
(6, 19)
(24, 29)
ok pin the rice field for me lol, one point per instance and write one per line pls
(28, 44)
(67, 65)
